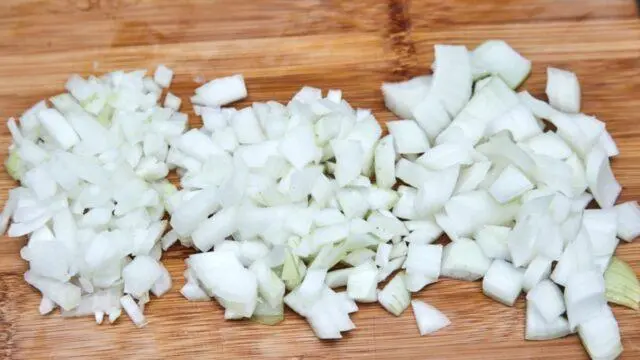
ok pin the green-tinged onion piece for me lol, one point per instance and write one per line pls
(622, 285)
(293, 270)
(266, 314)
(14, 165)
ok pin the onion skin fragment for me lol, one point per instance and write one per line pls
(621, 284)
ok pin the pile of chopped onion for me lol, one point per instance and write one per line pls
(92, 165)
(280, 203)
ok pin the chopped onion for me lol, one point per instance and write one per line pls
(403, 97)
(338, 278)
(463, 259)
(93, 193)
(385, 158)
(563, 90)
(628, 215)
(584, 296)
(393, 265)
(537, 328)
(362, 283)
(395, 297)
(600, 335)
(502, 282)
(539, 269)
(267, 314)
(428, 318)
(546, 298)
(621, 284)
(492, 240)
(602, 183)
(424, 259)
(133, 310)
(221, 91)
(285, 193)
(509, 185)
(497, 57)
(408, 137)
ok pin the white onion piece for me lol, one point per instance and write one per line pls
(628, 215)
(349, 160)
(447, 155)
(64, 294)
(381, 199)
(608, 144)
(463, 259)
(411, 173)
(46, 306)
(600, 335)
(386, 226)
(402, 97)
(519, 121)
(58, 128)
(452, 77)
(492, 101)
(549, 144)
(563, 90)
(428, 318)
(193, 211)
(477, 208)
(450, 89)
(502, 282)
(383, 254)
(435, 192)
(395, 297)
(584, 296)
(602, 184)
(537, 328)
(538, 269)
(497, 57)
(224, 276)
(385, 158)
(510, 184)
(214, 230)
(338, 278)
(549, 240)
(162, 284)
(493, 241)
(221, 91)
(432, 116)
(163, 76)
(577, 257)
(359, 257)
(362, 283)
(392, 265)
(424, 259)
(313, 283)
(140, 275)
(408, 137)
(133, 311)
(601, 228)
(522, 241)
(472, 176)
(546, 298)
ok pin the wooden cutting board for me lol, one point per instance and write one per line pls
(279, 46)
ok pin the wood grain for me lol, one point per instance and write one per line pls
(278, 46)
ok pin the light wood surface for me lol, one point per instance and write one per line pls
(278, 46)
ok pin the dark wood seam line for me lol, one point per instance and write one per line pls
(399, 37)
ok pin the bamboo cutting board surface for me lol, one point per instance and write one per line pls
(279, 46)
